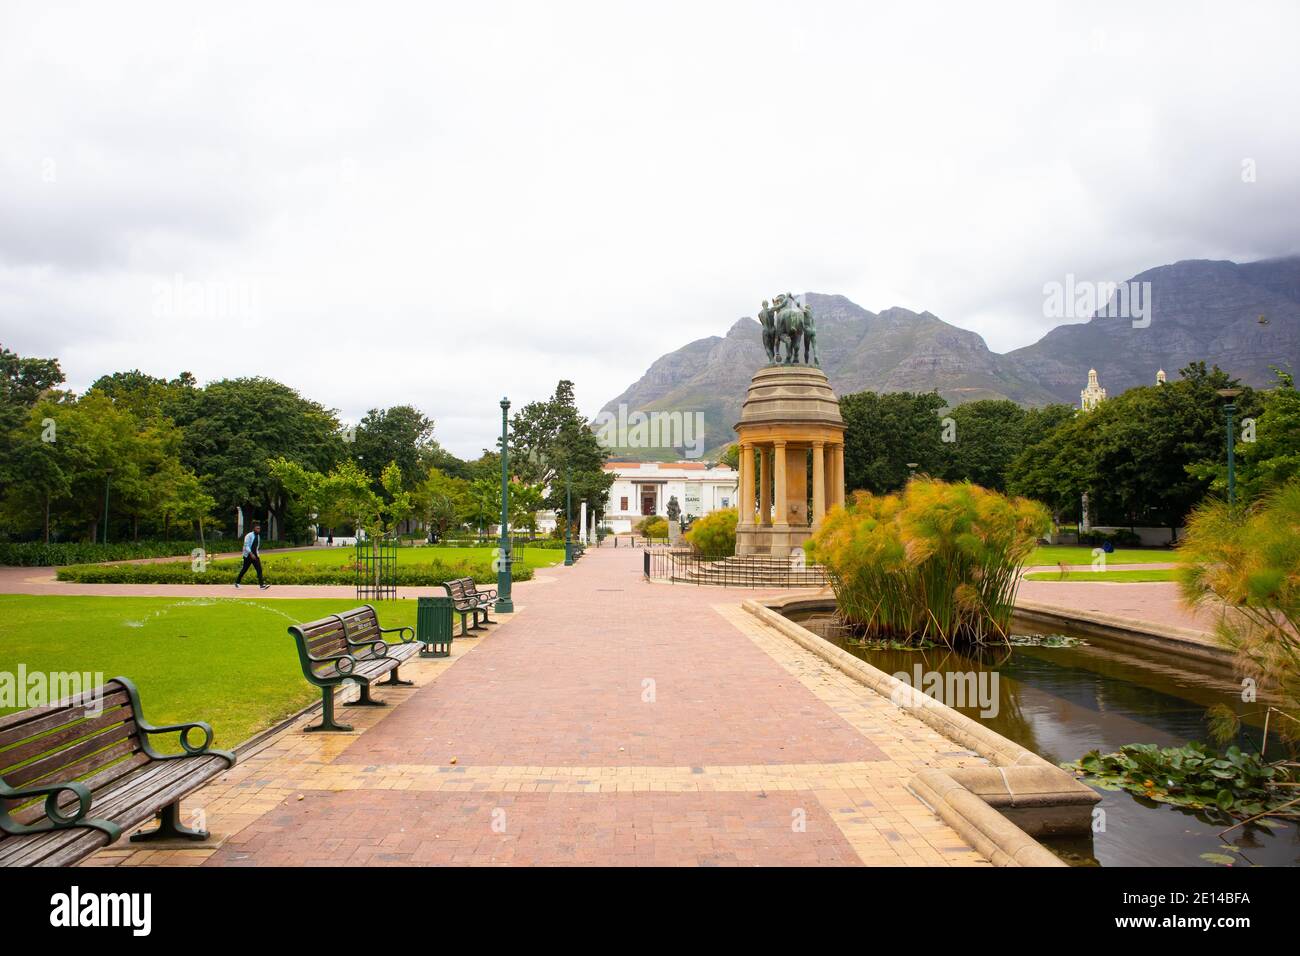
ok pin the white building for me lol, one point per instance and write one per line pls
(643, 488)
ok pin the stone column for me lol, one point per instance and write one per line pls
(746, 484)
(764, 485)
(819, 483)
(782, 506)
(839, 475)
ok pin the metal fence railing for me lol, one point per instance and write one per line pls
(684, 566)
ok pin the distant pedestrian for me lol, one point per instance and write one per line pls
(252, 547)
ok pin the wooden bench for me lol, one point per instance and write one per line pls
(350, 646)
(467, 599)
(91, 759)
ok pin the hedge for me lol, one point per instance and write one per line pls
(224, 572)
(38, 554)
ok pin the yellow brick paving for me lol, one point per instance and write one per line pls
(884, 823)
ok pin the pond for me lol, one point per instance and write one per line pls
(1062, 701)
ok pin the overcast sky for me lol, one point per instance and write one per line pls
(443, 203)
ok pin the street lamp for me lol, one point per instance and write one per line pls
(568, 517)
(504, 604)
(1229, 409)
(108, 474)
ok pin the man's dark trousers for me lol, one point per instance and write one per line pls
(255, 561)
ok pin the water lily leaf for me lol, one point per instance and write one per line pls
(1221, 858)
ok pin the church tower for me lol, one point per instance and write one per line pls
(1093, 395)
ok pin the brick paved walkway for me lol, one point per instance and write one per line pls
(608, 721)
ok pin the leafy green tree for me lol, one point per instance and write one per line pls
(525, 501)
(234, 427)
(1272, 458)
(400, 434)
(482, 503)
(146, 396)
(886, 432)
(1143, 457)
(551, 443)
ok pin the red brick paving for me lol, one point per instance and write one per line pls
(397, 828)
(568, 685)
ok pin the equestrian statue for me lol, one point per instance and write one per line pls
(786, 321)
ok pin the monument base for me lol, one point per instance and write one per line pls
(771, 540)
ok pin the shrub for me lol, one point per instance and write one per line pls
(1249, 558)
(714, 535)
(654, 526)
(224, 572)
(937, 562)
(37, 554)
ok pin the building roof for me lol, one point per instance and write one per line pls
(670, 469)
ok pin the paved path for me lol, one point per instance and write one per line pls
(608, 721)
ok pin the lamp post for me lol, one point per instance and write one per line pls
(1229, 409)
(568, 518)
(108, 474)
(504, 604)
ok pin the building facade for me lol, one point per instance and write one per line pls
(643, 488)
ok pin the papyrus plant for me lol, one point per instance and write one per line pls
(1249, 560)
(937, 562)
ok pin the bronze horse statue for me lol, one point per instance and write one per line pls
(792, 324)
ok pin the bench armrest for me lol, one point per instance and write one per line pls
(55, 818)
(401, 632)
(376, 646)
(184, 729)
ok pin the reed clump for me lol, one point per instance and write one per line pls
(938, 562)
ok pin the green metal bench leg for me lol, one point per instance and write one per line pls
(327, 722)
(169, 827)
(463, 615)
(395, 681)
(486, 619)
(365, 700)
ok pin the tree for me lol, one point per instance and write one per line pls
(234, 427)
(551, 444)
(146, 396)
(1270, 456)
(982, 438)
(884, 433)
(482, 504)
(23, 382)
(525, 501)
(440, 501)
(1144, 457)
(400, 434)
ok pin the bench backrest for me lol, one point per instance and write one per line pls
(329, 636)
(456, 588)
(361, 624)
(90, 736)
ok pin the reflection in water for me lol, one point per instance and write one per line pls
(1062, 701)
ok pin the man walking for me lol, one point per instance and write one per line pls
(251, 542)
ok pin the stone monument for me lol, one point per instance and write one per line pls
(791, 437)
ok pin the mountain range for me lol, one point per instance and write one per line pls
(1244, 317)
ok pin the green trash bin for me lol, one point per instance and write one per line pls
(433, 626)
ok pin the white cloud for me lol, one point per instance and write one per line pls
(443, 204)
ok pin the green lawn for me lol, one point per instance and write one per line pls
(1139, 575)
(224, 660)
(338, 557)
(1073, 554)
